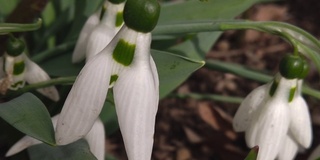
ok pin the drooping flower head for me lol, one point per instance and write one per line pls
(126, 65)
(99, 30)
(275, 116)
(16, 69)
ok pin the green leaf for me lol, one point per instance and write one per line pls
(108, 115)
(198, 46)
(48, 14)
(253, 153)
(30, 116)
(195, 10)
(6, 7)
(78, 150)
(64, 67)
(173, 69)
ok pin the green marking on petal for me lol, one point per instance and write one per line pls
(113, 79)
(273, 88)
(124, 52)
(18, 68)
(291, 94)
(119, 19)
(17, 85)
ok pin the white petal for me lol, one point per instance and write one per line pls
(315, 154)
(289, 149)
(136, 99)
(80, 49)
(268, 129)
(99, 39)
(110, 17)
(35, 74)
(155, 75)
(22, 144)
(300, 124)
(243, 116)
(96, 139)
(85, 100)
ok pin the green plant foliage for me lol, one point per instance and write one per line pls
(65, 67)
(198, 45)
(108, 115)
(6, 7)
(78, 150)
(253, 153)
(30, 116)
(173, 69)
(6, 28)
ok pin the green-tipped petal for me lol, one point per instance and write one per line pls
(104, 32)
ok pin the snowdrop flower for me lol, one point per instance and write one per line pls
(126, 65)
(275, 116)
(16, 69)
(99, 30)
(315, 154)
(95, 139)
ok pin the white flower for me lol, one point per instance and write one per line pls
(20, 69)
(273, 116)
(315, 154)
(95, 139)
(96, 33)
(288, 149)
(127, 65)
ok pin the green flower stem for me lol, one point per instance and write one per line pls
(61, 49)
(214, 97)
(251, 74)
(56, 81)
(302, 41)
(6, 28)
(187, 27)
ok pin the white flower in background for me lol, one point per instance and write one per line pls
(315, 155)
(95, 139)
(16, 69)
(96, 33)
(275, 117)
(126, 65)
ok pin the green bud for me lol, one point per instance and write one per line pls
(305, 70)
(14, 46)
(291, 66)
(141, 15)
(116, 1)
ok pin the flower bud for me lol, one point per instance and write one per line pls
(291, 66)
(14, 46)
(141, 15)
